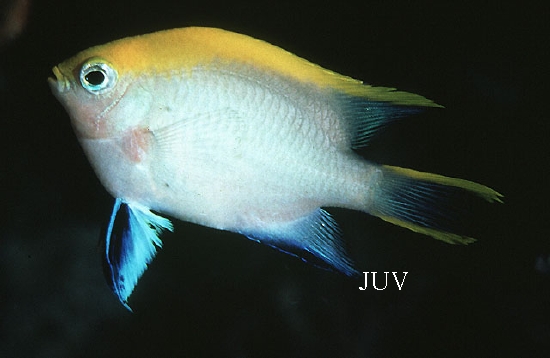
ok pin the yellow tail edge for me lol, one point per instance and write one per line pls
(480, 190)
(447, 237)
(483, 191)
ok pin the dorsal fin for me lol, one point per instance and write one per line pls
(366, 117)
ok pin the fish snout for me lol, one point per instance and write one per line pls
(60, 84)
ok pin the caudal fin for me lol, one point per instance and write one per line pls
(420, 201)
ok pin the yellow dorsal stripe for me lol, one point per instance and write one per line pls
(184, 49)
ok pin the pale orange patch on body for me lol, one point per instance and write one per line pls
(136, 143)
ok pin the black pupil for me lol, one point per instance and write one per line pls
(95, 78)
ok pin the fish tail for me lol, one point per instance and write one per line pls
(425, 203)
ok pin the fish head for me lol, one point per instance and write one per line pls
(93, 87)
(87, 89)
(108, 104)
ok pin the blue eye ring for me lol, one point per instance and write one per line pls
(97, 76)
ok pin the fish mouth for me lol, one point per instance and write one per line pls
(60, 83)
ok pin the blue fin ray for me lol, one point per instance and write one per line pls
(131, 244)
(315, 236)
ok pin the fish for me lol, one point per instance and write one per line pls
(223, 130)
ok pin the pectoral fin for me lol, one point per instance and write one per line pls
(131, 244)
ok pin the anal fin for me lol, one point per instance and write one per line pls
(313, 237)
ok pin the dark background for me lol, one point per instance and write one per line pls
(210, 293)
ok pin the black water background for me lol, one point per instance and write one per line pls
(211, 293)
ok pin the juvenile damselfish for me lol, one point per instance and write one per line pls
(230, 132)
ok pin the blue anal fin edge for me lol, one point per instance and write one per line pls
(130, 243)
(315, 239)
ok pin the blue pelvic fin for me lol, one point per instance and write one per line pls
(131, 244)
(315, 238)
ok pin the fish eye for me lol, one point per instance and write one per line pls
(97, 76)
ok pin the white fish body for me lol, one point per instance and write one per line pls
(240, 136)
